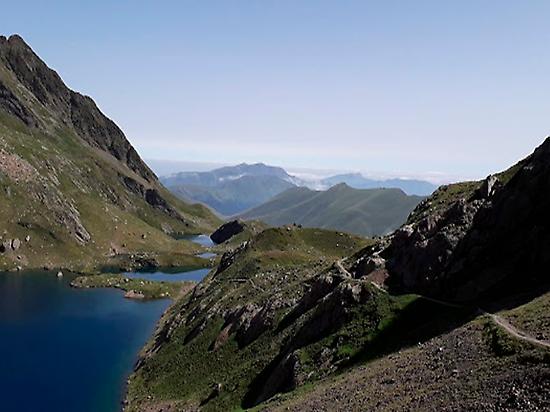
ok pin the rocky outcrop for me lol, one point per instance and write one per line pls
(330, 313)
(132, 294)
(320, 287)
(283, 378)
(10, 245)
(490, 239)
(227, 231)
(151, 196)
(11, 104)
(247, 323)
(229, 257)
(327, 316)
(420, 253)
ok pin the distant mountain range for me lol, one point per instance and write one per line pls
(232, 190)
(365, 212)
(358, 181)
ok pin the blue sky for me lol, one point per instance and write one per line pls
(452, 89)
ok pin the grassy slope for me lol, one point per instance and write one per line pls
(89, 180)
(272, 269)
(366, 212)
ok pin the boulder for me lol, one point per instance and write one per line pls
(488, 187)
(227, 231)
(132, 294)
(15, 244)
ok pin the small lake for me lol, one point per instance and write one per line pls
(207, 255)
(66, 349)
(196, 275)
(203, 240)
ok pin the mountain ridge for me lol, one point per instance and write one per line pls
(62, 161)
(231, 189)
(358, 181)
(71, 107)
(367, 212)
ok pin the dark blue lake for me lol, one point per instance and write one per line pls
(66, 349)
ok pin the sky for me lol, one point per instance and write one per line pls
(440, 89)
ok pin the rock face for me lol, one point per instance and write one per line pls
(493, 237)
(227, 231)
(10, 104)
(151, 196)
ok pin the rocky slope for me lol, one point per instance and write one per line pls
(448, 313)
(476, 240)
(75, 193)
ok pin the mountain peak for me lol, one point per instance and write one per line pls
(16, 39)
(339, 186)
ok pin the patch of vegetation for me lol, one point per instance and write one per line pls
(143, 288)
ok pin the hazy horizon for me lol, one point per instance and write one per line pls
(166, 167)
(444, 91)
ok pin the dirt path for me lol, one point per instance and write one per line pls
(342, 269)
(499, 321)
(512, 330)
(346, 272)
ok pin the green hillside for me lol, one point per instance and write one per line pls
(248, 294)
(75, 194)
(365, 212)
